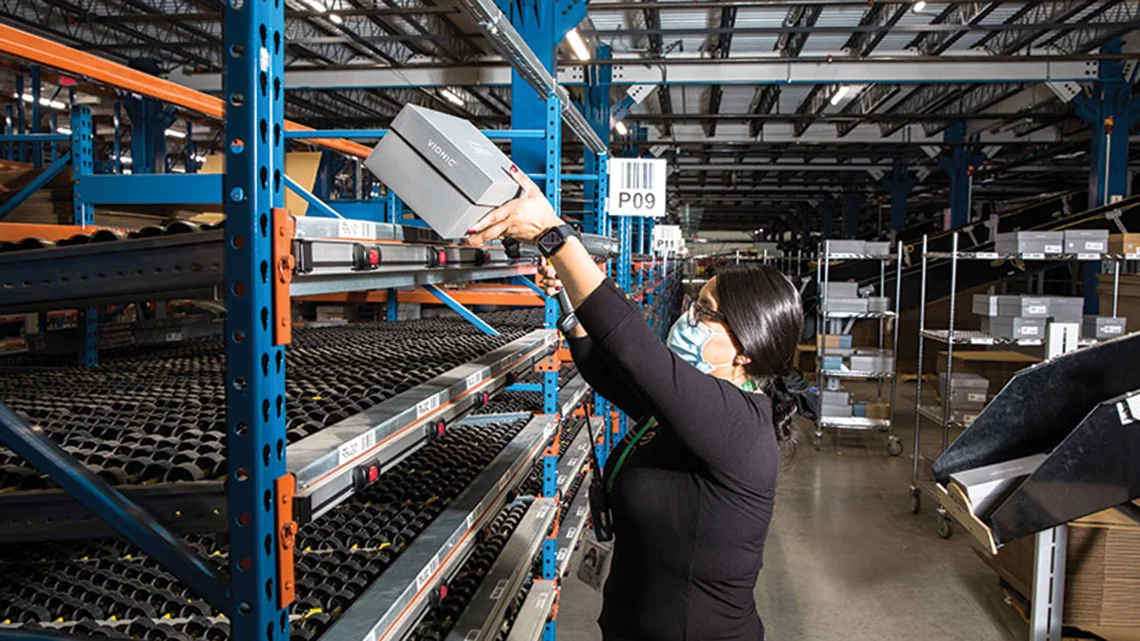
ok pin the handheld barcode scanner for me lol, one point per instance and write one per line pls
(568, 320)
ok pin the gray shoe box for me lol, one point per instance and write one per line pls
(841, 289)
(1014, 327)
(1030, 242)
(1066, 309)
(447, 172)
(1024, 306)
(1086, 241)
(878, 248)
(1103, 327)
(847, 246)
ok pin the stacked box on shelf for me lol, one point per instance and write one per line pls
(844, 297)
(847, 246)
(1086, 241)
(873, 360)
(877, 248)
(836, 404)
(878, 304)
(1127, 244)
(1030, 242)
(1103, 327)
(964, 391)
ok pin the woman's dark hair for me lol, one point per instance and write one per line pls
(766, 317)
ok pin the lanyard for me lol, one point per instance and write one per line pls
(629, 447)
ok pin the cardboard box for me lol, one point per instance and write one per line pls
(878, 410)
(837, 341)
(1086, 241)
(833, 363)
(1128, 244)
(835, 398)
(444, 168)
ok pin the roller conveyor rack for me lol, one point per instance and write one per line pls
(184, 260)
(155, 427)
(368, 570)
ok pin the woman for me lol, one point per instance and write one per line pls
(693, 484)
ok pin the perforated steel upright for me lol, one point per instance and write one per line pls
(83, 164)
(255, 365)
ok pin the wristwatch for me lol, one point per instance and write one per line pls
(551, 240)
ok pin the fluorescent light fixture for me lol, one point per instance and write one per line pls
(315, 5)
(451, 97)
(174, 133)
(621, 128)
(919, 6)
(335, 18)
(838, 95)
(63, 130)
(126, 161)
(578, 45)
(44, 102)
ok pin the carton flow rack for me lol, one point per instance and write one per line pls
(330, 465)
(326, 256)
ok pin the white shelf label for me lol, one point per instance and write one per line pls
(173, 337)
(354, 228)
(982, 340)
(572, 532)
(500, 588)
(637, 187)
(1132, 256)
(475, 378)
(1033, 256)
(425, 574)
(977, 397)
(1089, 256)
(355, 447)
(427, 405)
(987, 255)
(582, 511)
(562, 554)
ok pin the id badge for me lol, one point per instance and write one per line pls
(594, 564)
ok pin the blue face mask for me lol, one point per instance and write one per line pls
(689, 342)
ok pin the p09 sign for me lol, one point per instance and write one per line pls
(637, 187)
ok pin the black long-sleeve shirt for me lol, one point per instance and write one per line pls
(692, 502)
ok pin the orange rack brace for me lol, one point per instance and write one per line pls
(57, 56)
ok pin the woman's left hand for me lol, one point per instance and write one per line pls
(523, 219)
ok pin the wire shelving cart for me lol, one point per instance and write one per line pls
(837, 322)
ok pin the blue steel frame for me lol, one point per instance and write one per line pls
(255, 365)
(461, 309)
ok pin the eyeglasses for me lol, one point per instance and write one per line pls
(697, 312)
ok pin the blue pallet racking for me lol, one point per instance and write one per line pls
(257, 275)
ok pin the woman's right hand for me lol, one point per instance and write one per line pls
(548, 280)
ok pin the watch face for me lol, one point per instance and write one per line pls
(550, 239)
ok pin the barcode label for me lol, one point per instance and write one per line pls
(426, 405)
(982, 341)
(582, 511)
(475, 379)
(354, 229)
(1111, 329)
(563, 553)
(1033, 256)
(573, 532)
(976, 398)
(637, 187)
(1036, 309)
(355, 447)
(987, 255)
(638, 175)
(1029, 330)
(172, 337)
(1053, 249)
(500, 588)
(1094, 246)
(1088, 256)
(425, 574)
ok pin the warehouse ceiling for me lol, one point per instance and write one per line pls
(739, 105)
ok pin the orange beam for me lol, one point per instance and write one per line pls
(14, 232)
(52, 54)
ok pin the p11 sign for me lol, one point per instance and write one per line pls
(637, 187)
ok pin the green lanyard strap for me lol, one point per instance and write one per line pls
(629, 448)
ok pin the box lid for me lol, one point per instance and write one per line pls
(459, 152)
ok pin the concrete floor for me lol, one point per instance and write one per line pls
(846, 560)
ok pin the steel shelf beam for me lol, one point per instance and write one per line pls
(573, 525)
(483, 618)
(535, 610)
(392, 605)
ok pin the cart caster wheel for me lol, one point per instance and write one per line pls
(915, 503)
(894, 446)
(945, 526)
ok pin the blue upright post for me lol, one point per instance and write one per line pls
(82, 165)
(21, 148)
(959, 162)
(852, 203)
(9, 148)
(37, 116)
(117, 140)
(149, 121)
(255, 359)
(190, 150)
(828, 208)
(542, 24)
(53, 147)
(899, 183)
(1110, 112)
